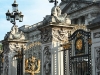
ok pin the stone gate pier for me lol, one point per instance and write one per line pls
(14, 44)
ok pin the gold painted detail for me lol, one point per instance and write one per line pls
(79, 44)
(66, 46)
(89, 41)
(32, 65)
(80, 54)
(2, 60)
(19, 55)
(32, 45)
(79, 35)
(77, 27)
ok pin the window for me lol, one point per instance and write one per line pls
(82, 20)
(74, 21)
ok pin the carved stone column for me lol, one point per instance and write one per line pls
(13, 44)
(52, 36)
(54, 32)
(46, 40)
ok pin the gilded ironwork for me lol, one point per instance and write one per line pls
(19, 55)
(66, 46)
(2, 59)
(32, 65)
(32, 45)
(79, 35)
(77, 27)
(79, 44)
(90, 41)
(80, 53)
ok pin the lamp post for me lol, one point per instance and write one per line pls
(55, 2)
(12, 17)
(15, 14)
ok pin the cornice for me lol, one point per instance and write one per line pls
(82, 8)
(31, 28)
(17, 41)
(56, 25)
(87, 2)
(95, 23)
(93, 26)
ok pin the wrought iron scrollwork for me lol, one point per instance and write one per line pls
(80, 53)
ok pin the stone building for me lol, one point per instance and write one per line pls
(81, 11)
(95, 49)
(86, 12)
(58, 45)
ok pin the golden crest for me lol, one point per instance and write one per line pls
(79, 44)
(31, 67)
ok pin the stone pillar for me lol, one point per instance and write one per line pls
(54, 32)
(46, 40)
(52, 36)
(13, 43)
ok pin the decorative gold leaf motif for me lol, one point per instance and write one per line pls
(77, 27)
(66, 46)
(2, 60)
(19, 55)
(90, 41)
(79, 44)
(32, 67)
(32, 45)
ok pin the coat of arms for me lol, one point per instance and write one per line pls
(32, 65)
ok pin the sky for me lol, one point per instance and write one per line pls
(33, 10)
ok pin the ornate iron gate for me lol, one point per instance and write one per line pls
(20, 61)
(80, 53)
